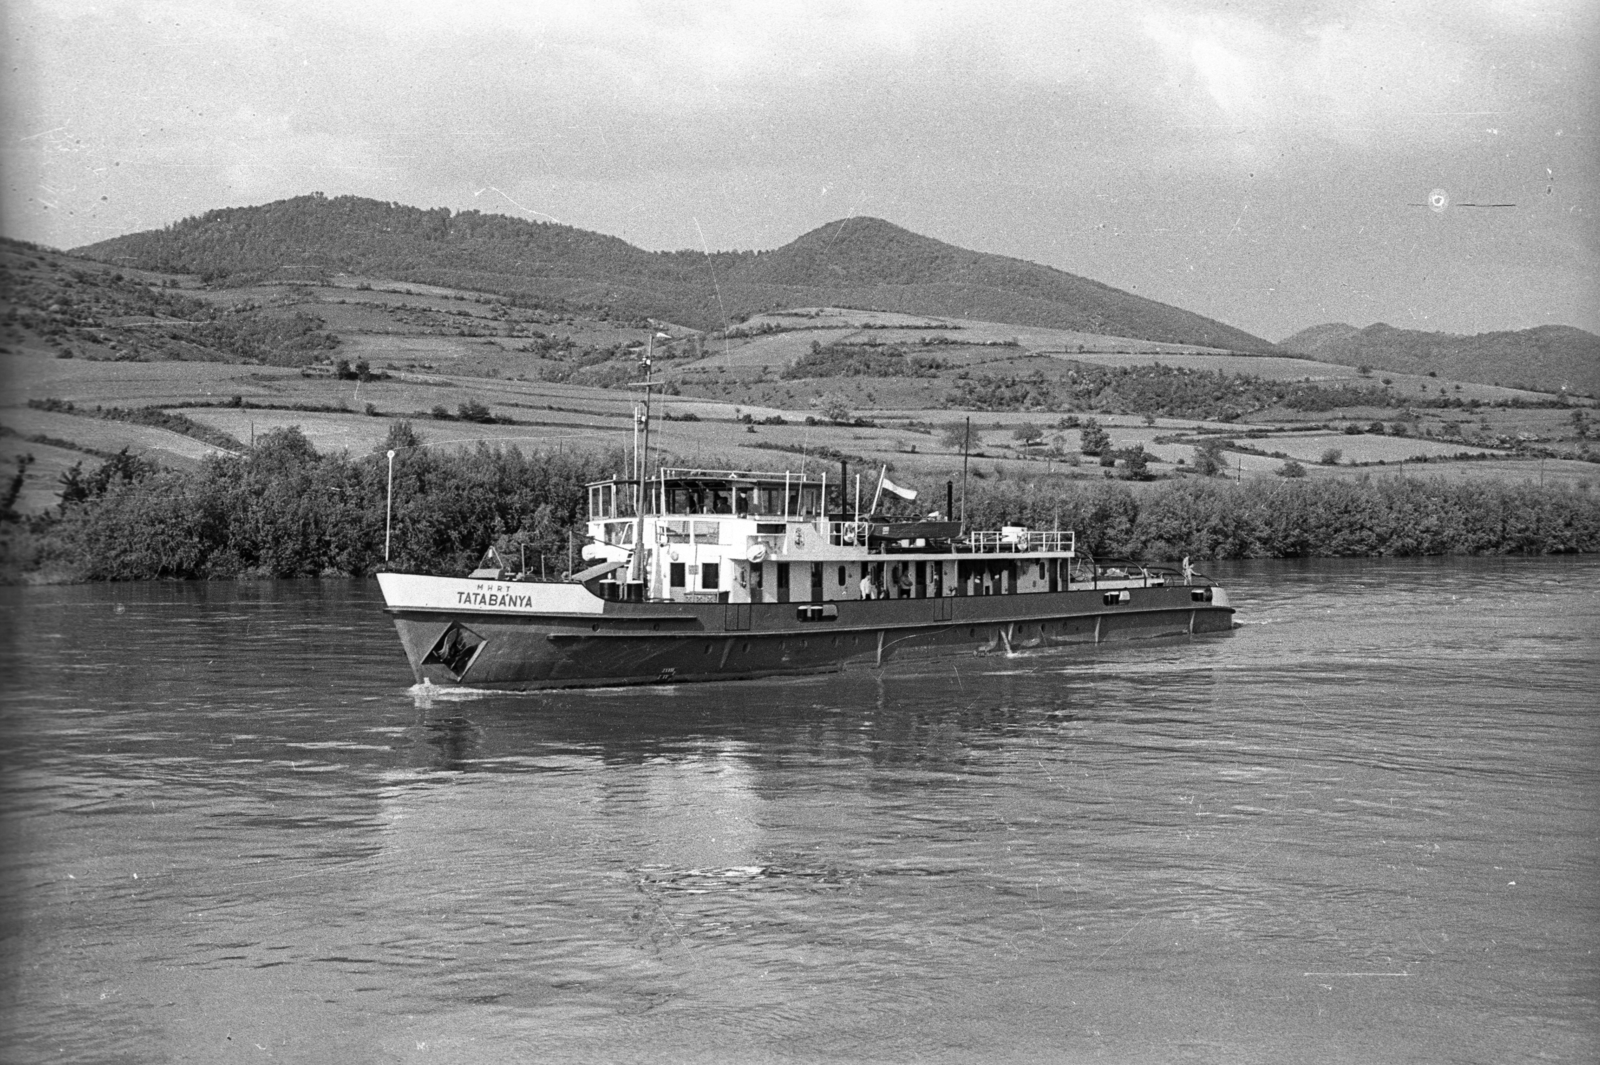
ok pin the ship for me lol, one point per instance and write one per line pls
(703, 575)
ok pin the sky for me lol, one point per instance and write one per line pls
(1274, 165)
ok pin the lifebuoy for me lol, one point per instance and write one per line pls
(757, 553)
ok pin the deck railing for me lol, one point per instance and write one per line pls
(1009, 539)
(1020, 539)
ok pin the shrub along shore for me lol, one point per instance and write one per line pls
(282, 510)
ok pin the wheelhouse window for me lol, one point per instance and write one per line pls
(696, 493)
(611, 499)
(682, 499)
(769, 499)
(709, 574)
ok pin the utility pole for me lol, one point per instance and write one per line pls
(966, 446)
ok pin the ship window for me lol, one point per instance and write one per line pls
(708, 532)
(841, 576)
(676, 578)
(675, 532)
(709, 572)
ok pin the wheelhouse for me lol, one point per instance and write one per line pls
(770, 496)
(690, 535)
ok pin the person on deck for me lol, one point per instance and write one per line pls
(869, 590)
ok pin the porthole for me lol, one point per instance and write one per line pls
(595, 627)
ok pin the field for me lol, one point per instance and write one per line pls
(440, 352)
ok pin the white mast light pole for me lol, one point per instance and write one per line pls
(388, 508)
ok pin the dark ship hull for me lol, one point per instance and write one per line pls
(532, 635)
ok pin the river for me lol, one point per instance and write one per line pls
(1360, 828)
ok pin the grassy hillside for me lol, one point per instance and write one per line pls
(860, 262)
(1551, 358)
(99, 358)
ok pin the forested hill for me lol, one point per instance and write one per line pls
(857, 262)
(1549, 358)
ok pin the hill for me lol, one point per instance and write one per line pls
(1549, 358)
(859, 262)
(97, 358)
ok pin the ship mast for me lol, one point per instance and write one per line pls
(640, 461)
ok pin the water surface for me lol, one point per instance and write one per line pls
(1361, 828)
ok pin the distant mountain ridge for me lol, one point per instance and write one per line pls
(1548, 358)
(858, 262)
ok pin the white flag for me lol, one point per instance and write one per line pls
(903, 493)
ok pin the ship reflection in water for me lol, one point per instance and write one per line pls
(1359, 829)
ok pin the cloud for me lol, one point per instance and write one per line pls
(986, 124)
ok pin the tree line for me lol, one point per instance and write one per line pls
(281, 509)
(1213, 519)
(1170, 391)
